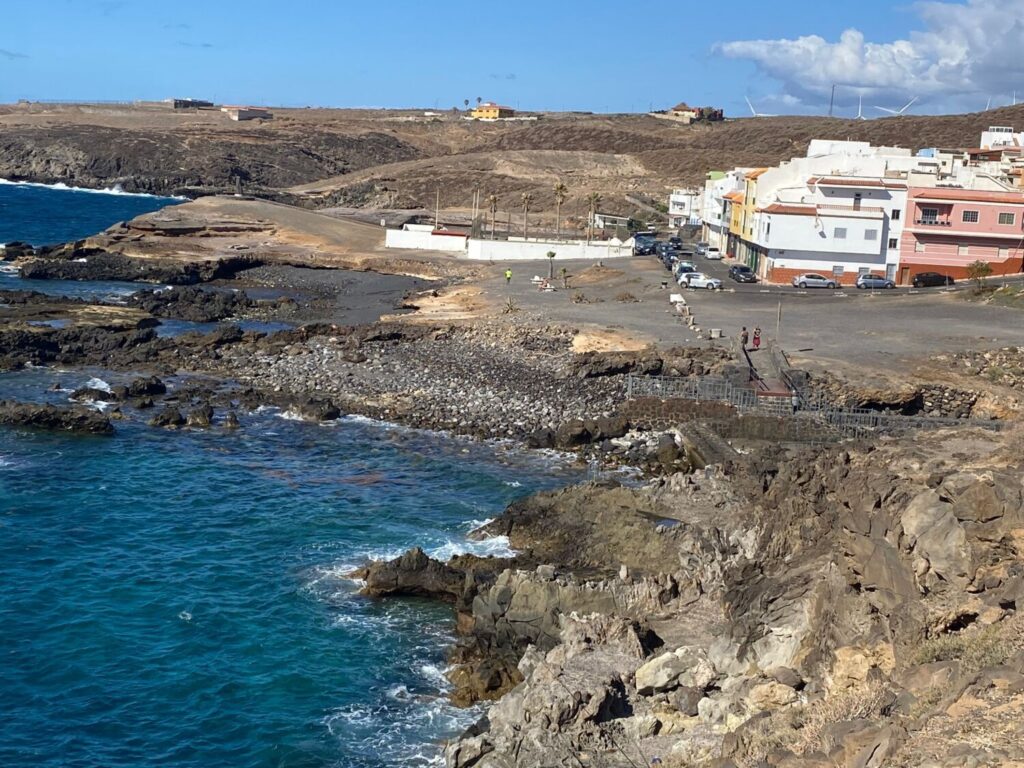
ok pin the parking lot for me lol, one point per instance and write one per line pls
(888, 330)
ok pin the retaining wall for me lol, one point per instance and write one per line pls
(428, 241)
(537, 250)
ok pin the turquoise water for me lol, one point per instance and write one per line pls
(181, 599)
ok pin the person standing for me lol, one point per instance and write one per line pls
(757, 338)
(508, 276)
(744, 337)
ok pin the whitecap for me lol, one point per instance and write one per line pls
(117, 189)
(493, 546)
(100, 384)
(513, 484)
(185, 616)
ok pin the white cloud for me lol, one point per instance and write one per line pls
(966, 53)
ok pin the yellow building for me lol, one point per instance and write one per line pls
(491, 111)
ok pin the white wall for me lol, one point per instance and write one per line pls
(418, 239)
(534, 250)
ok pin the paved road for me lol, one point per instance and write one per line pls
(887, 330)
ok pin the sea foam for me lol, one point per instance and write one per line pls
(117, 189)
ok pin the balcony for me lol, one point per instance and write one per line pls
(933, 222)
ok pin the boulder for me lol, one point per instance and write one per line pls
(231, 420)
(571, 434)
(200, 416)
(414, 574)
(933, 533)
(315, 410)
(769, 696)
(42, 416)
(687, 666)
(168, 418)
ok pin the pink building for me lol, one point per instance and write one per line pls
(947, 228)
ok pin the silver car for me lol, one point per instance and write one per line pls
(813, 280)
(874, 281)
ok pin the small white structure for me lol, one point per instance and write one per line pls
(247, 113)
(609, 221)
(425, 237)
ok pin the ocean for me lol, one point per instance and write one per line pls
(182, 598)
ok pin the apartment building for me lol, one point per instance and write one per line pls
(685, 207)
(948, 228)
(716, 208)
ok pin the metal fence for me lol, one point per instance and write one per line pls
(841, 421)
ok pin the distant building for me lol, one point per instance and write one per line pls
(248, 113)
(191, 104)
(684, 113)
(491, 111)
(685, 207)
(609, 221)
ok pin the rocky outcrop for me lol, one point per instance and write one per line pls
(76, 419)
(193, 304)
(75, 261)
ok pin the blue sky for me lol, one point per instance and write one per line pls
(559, 54)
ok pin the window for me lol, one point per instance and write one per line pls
(930, 214)
(919, 247)
(893, 243)
(1007, 218)
(863, 271)
(870, 234)
(962, 250)
(839, 233)
(1004, 253)
(970, 217)
(895, 214)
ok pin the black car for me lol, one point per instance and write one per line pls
(676, 242)
(741, 273)
(644, 246)
(929, 279)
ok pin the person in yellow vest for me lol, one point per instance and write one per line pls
(508, 276)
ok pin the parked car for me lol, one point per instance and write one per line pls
(874, 281)
(929, 279)
(683, 271)
(712, 252)
(676, 242)
(700, 280)
(702, 249)
(812, 280)
(741, 273)
(643, 244)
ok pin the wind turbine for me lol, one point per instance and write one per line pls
(898, 112)
(754, 112)
(860, 109)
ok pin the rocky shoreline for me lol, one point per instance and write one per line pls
(783, 606)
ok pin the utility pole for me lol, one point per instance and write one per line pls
(778, 327)
(437, 209)
(832, 101)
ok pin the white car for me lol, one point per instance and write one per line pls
(700, 280)
(713, 253)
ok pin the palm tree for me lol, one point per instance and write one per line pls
(492, 206)
(551, 265)
(478, 100)
(561, 192)
(527, 199)
(466, 103)
(594, 198)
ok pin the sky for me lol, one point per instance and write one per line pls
(602, 56)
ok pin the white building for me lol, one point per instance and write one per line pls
(837, 211)
(1001, 136)
(842, 226)
(715, 213)
(685, 207)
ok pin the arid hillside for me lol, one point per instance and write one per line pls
(402, 159)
